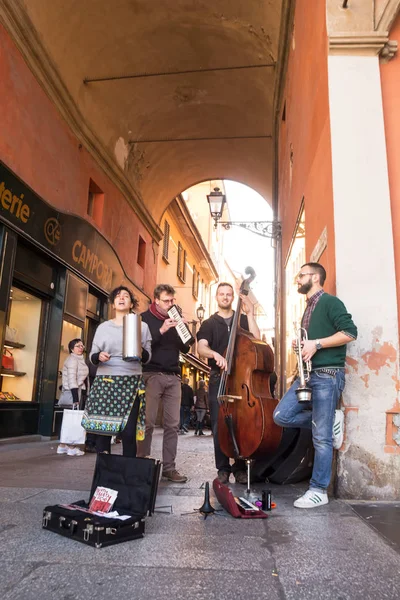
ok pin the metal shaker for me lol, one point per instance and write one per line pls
(132, 338)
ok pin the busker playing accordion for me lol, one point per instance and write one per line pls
(162, 379)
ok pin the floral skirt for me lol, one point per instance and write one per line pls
(110, 402)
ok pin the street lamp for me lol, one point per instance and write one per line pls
(200, 311)
(216, 201)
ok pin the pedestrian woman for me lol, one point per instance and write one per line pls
(116, 403)
(201, 406)
(74, 381)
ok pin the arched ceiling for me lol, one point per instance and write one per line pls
(100, 39)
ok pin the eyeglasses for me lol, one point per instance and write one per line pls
(79, 346)
(168, 301)
(301, 275)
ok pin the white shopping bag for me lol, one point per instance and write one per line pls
(72, 431)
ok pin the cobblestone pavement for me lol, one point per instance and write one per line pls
(325, 553)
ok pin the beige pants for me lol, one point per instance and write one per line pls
(166, 388)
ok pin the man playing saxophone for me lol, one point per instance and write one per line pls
(329, 329)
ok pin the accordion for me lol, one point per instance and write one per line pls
(181, 328)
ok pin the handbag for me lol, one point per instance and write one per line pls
(66, 399)
(7, 362)
(11, 334)
(72, 431)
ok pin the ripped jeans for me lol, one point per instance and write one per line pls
(317, 415)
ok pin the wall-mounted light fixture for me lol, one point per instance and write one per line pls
(200, 312)
(216, 201)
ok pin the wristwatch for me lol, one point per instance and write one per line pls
(318, 345)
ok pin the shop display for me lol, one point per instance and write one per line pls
(7, 360)
(18, 360)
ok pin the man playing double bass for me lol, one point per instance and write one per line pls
(213, 338)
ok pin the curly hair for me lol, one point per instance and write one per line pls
(118, 290)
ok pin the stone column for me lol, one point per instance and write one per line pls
(367, 467)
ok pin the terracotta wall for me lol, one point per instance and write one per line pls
(37, 144)
(305, 134)
(390, 77)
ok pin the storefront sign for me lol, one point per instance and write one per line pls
(67, 237)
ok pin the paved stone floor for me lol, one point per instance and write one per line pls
(326, 553)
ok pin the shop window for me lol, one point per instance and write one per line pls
(34, 270)
(165, 250)
(93, 306)
(20, 346)
(181, 266)
(141, 255)
(95, 203)
(195, 284)
(76, 298)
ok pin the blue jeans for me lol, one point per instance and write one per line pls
(185, 417)
(317, 415)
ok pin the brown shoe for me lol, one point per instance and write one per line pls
(241, 477)
(174, 476)
(223, 477)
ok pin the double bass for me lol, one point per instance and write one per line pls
(245, 425)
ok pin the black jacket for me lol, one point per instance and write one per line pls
(164, 348)
(187, 395)
(216, 332)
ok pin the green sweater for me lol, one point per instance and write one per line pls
(329, 317)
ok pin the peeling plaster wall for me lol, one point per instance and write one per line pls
(332, 151)
(390, 78)
(367, 467)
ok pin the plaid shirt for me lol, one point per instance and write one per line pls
(311, 304)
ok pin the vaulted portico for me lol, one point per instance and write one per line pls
(129, 71)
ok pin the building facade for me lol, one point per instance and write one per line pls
(68, 236)
(185, 263)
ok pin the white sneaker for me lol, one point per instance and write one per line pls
(338, 429)
(75, 452)
(311, 499)
(62, 450)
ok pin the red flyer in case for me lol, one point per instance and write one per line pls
(103, 499)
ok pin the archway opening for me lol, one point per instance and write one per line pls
(196, 253)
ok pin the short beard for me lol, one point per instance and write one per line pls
(225, 307)
(305, 288)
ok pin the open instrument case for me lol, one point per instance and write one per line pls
(135, 480)
(226, 499)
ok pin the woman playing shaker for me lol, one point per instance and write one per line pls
(116, 402)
